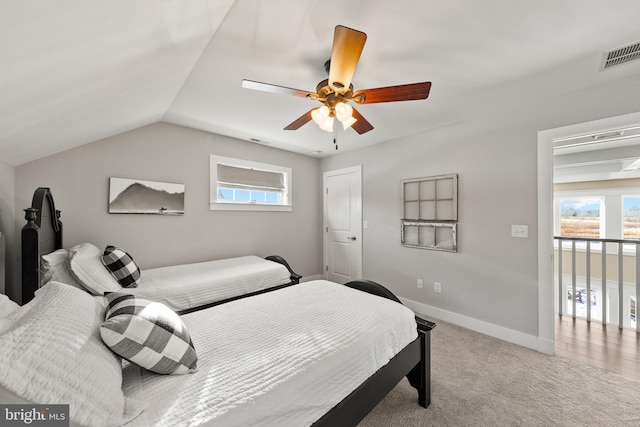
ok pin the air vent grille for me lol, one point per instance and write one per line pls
(621, 55)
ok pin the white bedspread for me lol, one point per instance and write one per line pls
(192, 285)
(282, 358)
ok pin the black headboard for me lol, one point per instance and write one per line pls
(41, 235)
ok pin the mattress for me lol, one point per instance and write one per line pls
(191, 285)
(281, 358)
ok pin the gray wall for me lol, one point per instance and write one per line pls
(79, 181)
(7, 208)
(492, 277)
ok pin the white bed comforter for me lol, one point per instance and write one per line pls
(192, 285)
(282, 358)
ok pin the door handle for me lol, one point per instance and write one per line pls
(352, 238)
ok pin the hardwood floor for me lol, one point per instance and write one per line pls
(607, 347)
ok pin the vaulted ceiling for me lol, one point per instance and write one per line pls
(73, 72)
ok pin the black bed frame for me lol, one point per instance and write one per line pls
(38, 238)
(414, 361)
(295, 279)
(42, 237)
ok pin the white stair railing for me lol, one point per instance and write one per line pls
(626, 313)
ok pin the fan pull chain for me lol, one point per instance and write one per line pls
(335, 138)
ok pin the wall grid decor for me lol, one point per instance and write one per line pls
(430, 212)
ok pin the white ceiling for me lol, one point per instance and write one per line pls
(597, 156)
(73, 72)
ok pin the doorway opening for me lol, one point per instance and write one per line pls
(598, 163)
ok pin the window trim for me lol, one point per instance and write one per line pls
(215, 204)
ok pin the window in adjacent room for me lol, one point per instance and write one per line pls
(631, 217)
(244, 185)
(580, 217)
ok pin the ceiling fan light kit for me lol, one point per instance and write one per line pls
(323, 118)
(336, 92)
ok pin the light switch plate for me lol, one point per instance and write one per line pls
(520, 231)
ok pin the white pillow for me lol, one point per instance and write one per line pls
(55, 267)
(53, 354)
(7, 306)
(86, 265)
(7, 309)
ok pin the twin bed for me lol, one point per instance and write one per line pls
(271, 350)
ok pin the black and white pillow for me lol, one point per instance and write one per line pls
(147, 333)
(121, 266)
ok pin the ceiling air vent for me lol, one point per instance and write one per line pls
(620, 56)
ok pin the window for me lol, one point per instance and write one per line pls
(243, 185)
(614, 213)
(631, 217)
(580, 217)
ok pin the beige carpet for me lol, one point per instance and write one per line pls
(482, 381)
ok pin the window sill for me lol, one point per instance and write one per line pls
(249, 207)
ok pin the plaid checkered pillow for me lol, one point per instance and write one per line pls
(121, 266)
(148, 334)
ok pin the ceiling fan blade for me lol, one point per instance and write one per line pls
(406, 92)
(300, 121)
(267, 87)
(345, 54)
(361, 125)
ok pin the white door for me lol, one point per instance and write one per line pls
(343, 224)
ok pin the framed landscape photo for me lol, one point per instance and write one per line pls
(134, 196)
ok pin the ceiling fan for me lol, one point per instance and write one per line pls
(336, 91)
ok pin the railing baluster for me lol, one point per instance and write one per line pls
(604, 283)
(588, 281)
(573, 278)
(620, 289)
(635, 307)
(560, 296)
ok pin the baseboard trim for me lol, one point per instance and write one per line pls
(500, 332)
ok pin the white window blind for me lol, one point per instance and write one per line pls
(237, 184)
(239, 177)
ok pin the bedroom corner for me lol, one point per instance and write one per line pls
(7, 207)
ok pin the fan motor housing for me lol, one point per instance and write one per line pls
(330, 97)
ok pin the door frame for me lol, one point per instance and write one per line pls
(546, 314)
(325, 244)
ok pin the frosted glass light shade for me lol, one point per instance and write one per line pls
(343, 111)
(347, 123)
(319, 115)
(327, 124)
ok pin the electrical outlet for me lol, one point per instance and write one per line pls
(419, 284)
(437, 287)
